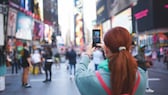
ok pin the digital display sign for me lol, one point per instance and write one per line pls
(38, 31)
(24, 26)
(123, 19)
(2, 36)
(149, 15)
(142, 16)
(12, 16)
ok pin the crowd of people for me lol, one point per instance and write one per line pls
(118, 69)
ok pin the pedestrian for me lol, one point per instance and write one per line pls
(48, 64)
(97, 56)
(36, 60)
(56, 55)
(165, 57)
(118, 74)
(149, 64)
(144, 61)
(26, 64)
(11, 59)
(71, 56)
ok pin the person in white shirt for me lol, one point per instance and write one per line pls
(36, 60)
(97, 56)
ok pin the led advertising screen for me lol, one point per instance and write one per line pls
(79, 28)
(150, 14)
(116, 6)
(38, 31)
(50, 11)
(24, 27)
(160, 8)
(29, 5)
(38, 8)
(48, 31)
(79, 34)
(142, 16)
(2, 30)
(101, 11)
(47, 13)
(123, 19)
(26, 5)
(12, 15)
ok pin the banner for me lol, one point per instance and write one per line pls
(11, 29)
(48, 31)
(38, 31)
(2, 30)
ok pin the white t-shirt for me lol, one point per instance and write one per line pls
(36, 58)
(97, 56)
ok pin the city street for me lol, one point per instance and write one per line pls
(62, 85)
(158, 77)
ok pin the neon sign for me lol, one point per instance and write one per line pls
(141, 14)
(166, 6)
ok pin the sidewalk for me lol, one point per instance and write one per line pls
(60, 84)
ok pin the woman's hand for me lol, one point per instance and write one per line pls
(89, 50)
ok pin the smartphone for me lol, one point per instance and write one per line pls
(95, 37)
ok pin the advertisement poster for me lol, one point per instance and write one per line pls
(79, 35)
(11, 30)
(38, 31)
(79, 29)
(29, 5)
(38, 8)
(24, 27)
(116, 6)
(2, 30)
(48, 31)
(123, 19)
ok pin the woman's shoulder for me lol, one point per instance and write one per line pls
(89, 81)
(142, 83)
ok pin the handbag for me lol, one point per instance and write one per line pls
(107, 89)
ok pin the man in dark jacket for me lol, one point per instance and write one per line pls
(71, 56)
(48, 64)
(26, 65)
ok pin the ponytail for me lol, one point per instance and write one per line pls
(123, 72)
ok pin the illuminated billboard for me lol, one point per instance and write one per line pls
(24, 26)
(48, 31)
(38, 9)
(2, 36)
(12, 15)
(123, 19)
(150, 14)
(79, 28)
(101, 11)
(29, 5)
(38, 31)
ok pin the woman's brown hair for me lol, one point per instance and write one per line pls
(122, 65)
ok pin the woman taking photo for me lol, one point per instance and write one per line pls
(118, 75)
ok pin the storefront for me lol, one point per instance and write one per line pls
(3, 12)
(150, 22)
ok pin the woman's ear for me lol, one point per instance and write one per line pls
(107, 51)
